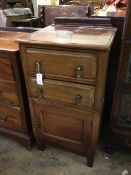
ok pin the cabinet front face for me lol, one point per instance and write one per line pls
(67, 128)
(67, 100)
(62, 65)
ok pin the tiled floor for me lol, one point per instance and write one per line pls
(16, 160)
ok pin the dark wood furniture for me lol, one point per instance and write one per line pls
(117, 21)
(47, 13)
(79, 2)
(67, 101)
(15, 119)
(29, 22)
(83, 21)
(3, 4)
(18, 3)
(120, 126)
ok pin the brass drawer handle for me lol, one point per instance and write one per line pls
(79, 70)
(127, 142)
(38, 67)
(40, 93)
(3, 118)
(78, 99)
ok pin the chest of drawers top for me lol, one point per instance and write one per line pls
(8, 40)
(74, 37)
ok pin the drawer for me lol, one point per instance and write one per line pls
(63, 92)
(6, 70)
(61, 126)
(10, 119)
(73, 66)
(8, 93)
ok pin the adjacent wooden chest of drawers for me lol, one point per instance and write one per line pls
(66, 105)
(14, 110)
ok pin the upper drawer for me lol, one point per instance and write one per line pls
(75, 66)
(8, 94)
(6, 71)
(64, 92)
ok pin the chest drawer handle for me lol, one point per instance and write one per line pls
(38, 67)
(127, 142)
(40, 93)
(78, 99)
(3, 118)
(79, 70)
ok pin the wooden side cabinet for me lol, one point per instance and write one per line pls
(65, 80)
(14, 109)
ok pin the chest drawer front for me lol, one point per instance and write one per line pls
(69, 93)
(6, 70)
(8, 93)
(10, 119)
(62, 64)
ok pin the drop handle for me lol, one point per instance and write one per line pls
(38, 67)
(79, 71)
(78, 99)
(40, 93)
(3, 118)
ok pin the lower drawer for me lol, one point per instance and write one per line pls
(8, 93)
(62, 127)
(64, 93)
(10, 119)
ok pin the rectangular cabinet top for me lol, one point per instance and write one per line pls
(75, 37)
(8, 40)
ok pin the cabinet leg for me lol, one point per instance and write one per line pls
(28, 147)
(109, 149)
(41, 147)
(27, 144)
(90, 161)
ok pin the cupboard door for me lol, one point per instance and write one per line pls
(65, 127)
